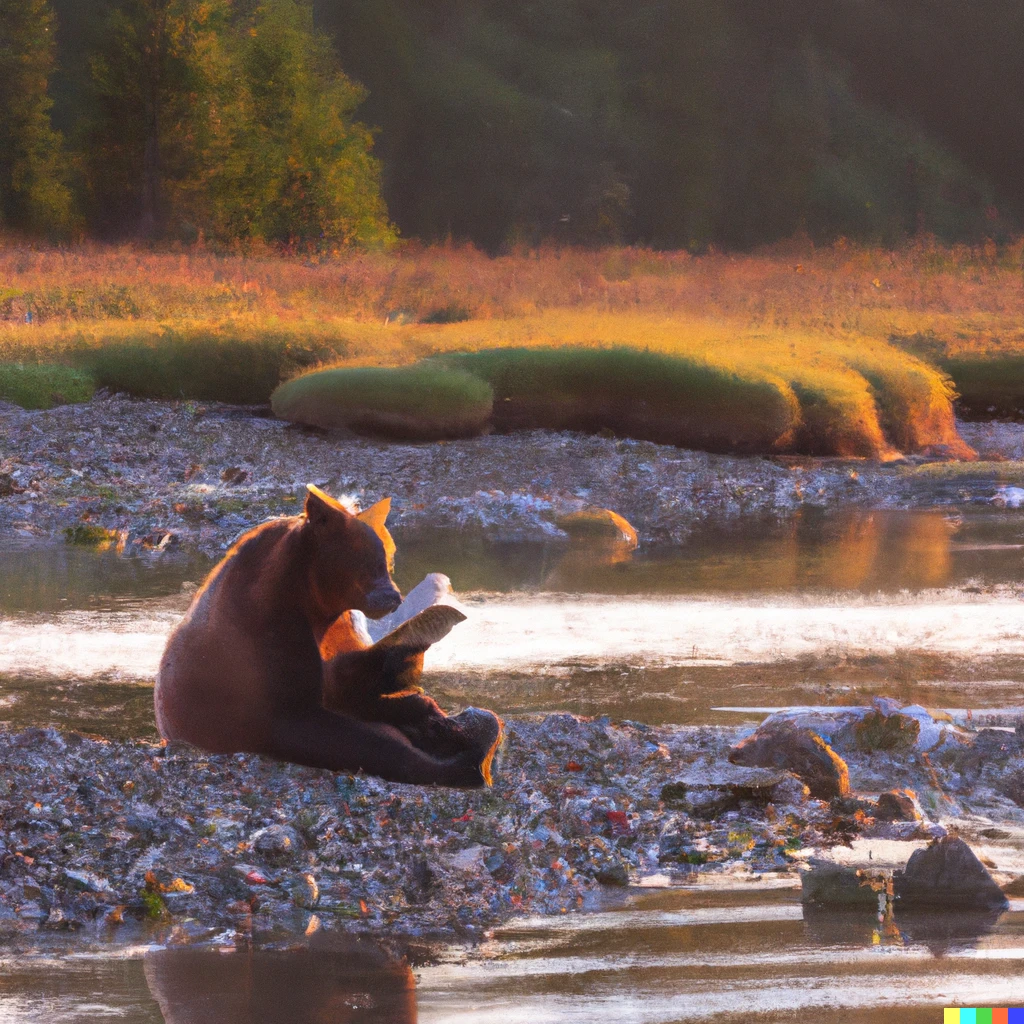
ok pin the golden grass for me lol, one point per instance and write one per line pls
(817, 322)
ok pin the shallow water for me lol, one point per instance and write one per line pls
(649, 957)
(823, 610)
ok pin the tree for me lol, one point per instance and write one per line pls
(34, 195)
(285, 160)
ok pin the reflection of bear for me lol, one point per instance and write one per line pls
(243, 670)
(339, 981)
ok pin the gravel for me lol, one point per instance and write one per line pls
(132, 841)
(147, 474)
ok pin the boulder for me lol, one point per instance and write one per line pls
(827, 884)
(947, 875)
(708, 791)
(779, 743)
(898, 805)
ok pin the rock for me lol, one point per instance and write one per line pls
(898, 805)
(598, 522)
(470, 859)
(712, 790)
(780, 744)
(234, 475)
(947, 875)
(304, 891)
(891, 732)
(827, 884)
(87, 880)
(614, 874)
(277, 844)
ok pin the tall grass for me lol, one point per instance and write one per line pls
(815, 323)
(671, 399)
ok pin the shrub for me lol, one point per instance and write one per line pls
(647, 395)
(426, 401)
(42, 386)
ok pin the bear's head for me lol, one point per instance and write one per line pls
(353, 555)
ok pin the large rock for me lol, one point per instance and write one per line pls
(898, 805)
(826, 884)
(947, 875)
(710, 790)
(781, 744)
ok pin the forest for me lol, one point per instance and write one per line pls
(320, 124)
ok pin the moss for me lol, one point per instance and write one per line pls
(89, 536)
(43, 385)
(154, 904)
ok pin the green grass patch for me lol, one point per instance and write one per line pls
(204, 364)
(426, 401)
(988, 385)
(43, 385)
(650, 396)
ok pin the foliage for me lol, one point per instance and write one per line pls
(225, 119)
(34, 196)
(284, 160)
(684, 124)
(421, 402)
(43, 386)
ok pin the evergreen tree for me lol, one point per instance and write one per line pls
(34, 195)
(284, 160)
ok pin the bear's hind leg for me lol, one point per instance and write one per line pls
(322, 739)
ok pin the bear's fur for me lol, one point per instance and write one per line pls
(243, 670)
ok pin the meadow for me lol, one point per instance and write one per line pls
(840, 350)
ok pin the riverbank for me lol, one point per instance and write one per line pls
(130, 841)
(149, 475)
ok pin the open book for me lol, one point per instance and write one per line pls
(428, 614)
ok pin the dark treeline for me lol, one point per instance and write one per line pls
(666, 122)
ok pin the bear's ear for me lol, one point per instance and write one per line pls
(321, 507)
(375, 517)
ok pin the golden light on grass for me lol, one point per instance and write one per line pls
(855, 338)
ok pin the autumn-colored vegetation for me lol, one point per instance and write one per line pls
(853, 339)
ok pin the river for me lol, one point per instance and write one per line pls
(824, 609)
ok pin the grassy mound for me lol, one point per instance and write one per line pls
(426, 401)
(42, 386)
(200, 364)
(988, 385)
(646, 395)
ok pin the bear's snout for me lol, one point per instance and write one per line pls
(381, 601)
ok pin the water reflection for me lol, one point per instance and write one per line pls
(849, 550)
(335, 981)
(940, 933)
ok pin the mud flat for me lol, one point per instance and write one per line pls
(153, 475)
(129, 841)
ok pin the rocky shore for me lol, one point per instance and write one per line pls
(130, 841)
(154, 475)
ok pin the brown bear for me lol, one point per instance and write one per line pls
(243, 670)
